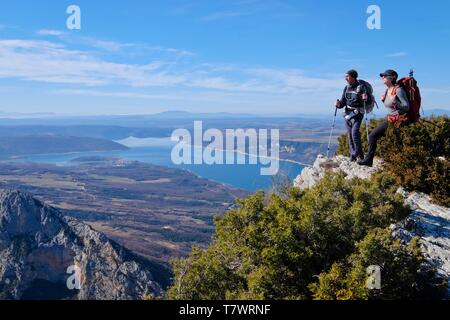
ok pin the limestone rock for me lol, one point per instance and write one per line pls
(44, 255)
(311, 175)
(431, 223)
(428, 221)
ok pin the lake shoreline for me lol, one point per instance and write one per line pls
(243, 177)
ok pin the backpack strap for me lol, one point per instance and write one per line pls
(362, 83)
(395, 90)
(385, 95)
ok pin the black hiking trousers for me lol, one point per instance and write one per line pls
(354, 135)
(374, 136)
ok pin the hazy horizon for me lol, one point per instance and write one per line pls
(155, 57)
(43, 115)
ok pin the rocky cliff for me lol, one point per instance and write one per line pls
(44, 255)
(428, 221)
(311, 175)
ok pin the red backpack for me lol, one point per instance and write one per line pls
(409, 84)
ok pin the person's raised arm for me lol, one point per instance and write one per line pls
(343, 102)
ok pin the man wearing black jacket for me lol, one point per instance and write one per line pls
(353, 98)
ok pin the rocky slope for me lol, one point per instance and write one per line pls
(428, 221)
(432, 224)
(44, 255)
(311, 175)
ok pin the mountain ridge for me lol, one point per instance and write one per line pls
(51, 143)
(39, 247)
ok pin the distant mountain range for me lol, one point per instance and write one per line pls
(311, 129)
(43, 144)
(171, 118)
(170, 115)
(162, 115)
(191, 115)
(26, 115)
(108, 132)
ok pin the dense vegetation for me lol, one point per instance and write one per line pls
(417, 155)
(313, 244)
(319, 243)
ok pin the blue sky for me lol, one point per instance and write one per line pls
(250, 56)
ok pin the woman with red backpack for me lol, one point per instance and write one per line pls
(397, 102)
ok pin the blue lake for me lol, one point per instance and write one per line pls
(158, 151)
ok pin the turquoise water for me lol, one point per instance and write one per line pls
(158, 152)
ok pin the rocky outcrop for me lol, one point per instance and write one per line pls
(44, 255)
(431, 223)
(428, 221)
(311, 175)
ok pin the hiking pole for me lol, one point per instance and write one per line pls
(364, 92)
(411, 76)
(331, 133)
(367, 121)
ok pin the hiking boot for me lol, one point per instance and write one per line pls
(355, 158)
(368, 162)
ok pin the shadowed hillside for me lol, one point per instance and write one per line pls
(44, 144)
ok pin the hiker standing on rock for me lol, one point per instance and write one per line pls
(353, 100)
(397, 102)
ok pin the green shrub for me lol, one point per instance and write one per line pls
(417, 155)
(401, 272)
(275, 248)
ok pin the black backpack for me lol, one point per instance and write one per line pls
(367, 88)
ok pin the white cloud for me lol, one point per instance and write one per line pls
(397, 55)
(49, 62)
(171, 81)
(104, 45)
(5, 27)
(108, 45)
(115, 94)
(240, 8)
(46, 32)
(45, 61)
(296, 80)
(119, 47)
(178, 96)
(225, 14)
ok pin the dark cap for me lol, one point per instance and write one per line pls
(389, 73)
(353, 73)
